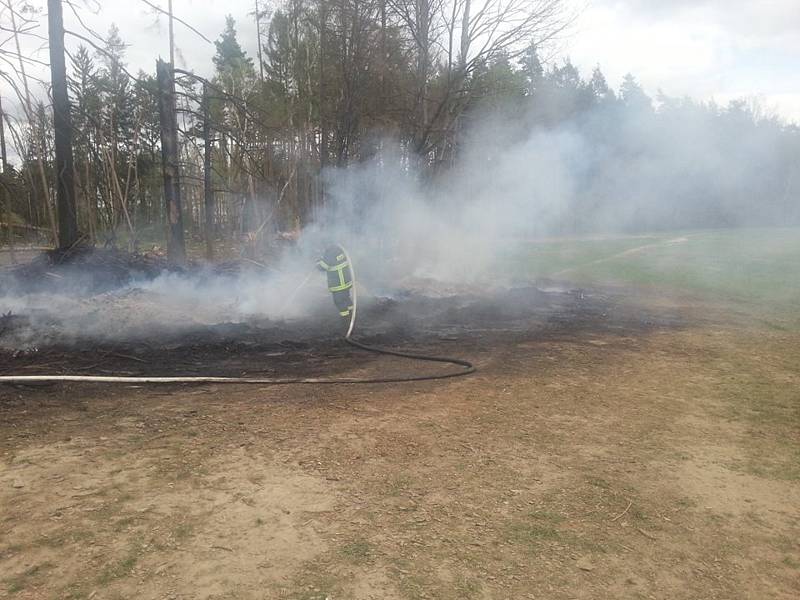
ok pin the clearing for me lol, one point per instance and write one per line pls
(634, 437)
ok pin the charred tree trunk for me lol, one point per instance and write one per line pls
(176, 248)
(62, 125)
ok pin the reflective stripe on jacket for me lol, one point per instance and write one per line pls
(340, 277)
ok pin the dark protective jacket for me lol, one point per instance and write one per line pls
(334, 262)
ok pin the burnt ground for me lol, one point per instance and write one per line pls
(312, 346)
(613, 444)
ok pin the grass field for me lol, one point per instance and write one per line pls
(760, 267)
(753, 266)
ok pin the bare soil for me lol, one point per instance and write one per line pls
(612, 445)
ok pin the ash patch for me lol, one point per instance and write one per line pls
(468, 324)
(81, 270)
(529, 310)
(136, 316)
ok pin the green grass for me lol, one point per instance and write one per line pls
(762, 397)
(753, 266)
(532, 534)
(19, 582)
(468, 587)
(183, 531)
(357, 551)
(120, 568)
(791, 563)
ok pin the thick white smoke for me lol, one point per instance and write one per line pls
(510, 184)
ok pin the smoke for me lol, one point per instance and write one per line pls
(515, 178)
(169, 306)
(457, 229)
(609, 170)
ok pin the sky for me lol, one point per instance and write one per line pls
(707, 49)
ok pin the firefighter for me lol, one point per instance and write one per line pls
(340, 279)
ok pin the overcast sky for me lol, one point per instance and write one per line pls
(718, 49)
(707, 49)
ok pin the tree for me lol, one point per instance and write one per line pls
(632, 94)
(235, 77)
(497, 28)
(233, 68)
(532, 69)
(599, 86)
(62, 128)
(412, 83)
(86, 110)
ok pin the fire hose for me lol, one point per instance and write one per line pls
(466, 367)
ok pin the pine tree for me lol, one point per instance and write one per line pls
(84, 87)
(599, 86)
(234, 69)
(532, 69)
(632, 94)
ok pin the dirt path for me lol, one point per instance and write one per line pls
(623, 254)
(626, 464)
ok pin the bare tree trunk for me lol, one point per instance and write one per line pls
(62, 127)
(28, 107)
(171, 40)
(254, 215)
(123, 201)
(9, 225)
(323, 122)
(465, 39)
(176, 248)
(310, 146)
(4, 154)
(131, 169)
(6, 193)
(423, 27)
(46, 194)
(91, 207)
(258, 41)
(208, 190)
(384, 58)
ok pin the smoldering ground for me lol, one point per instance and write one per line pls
(517, 179)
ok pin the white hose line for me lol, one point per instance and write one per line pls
(34, 379)
(355, 294)
(143, 379)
